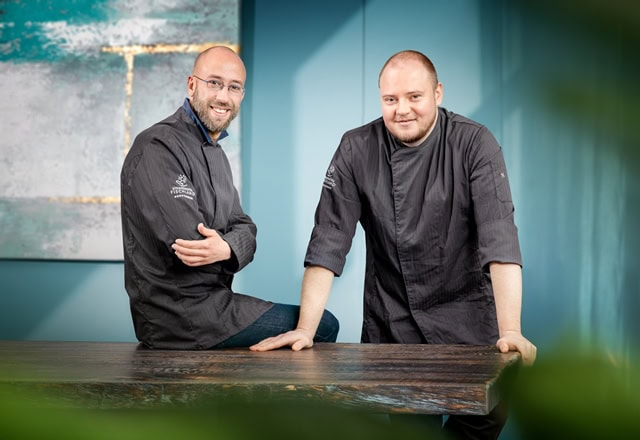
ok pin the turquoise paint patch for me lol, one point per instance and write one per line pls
(50, 31)
(71, 11)
(23, 29)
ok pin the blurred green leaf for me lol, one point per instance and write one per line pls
(578, 394)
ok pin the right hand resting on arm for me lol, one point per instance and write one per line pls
(316, 286)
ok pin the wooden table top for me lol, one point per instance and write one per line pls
(434, 379)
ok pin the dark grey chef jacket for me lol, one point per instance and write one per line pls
(173, 178)
(434, 217)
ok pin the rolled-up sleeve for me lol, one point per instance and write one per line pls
(241, 238)
(492, 204)
(337, 214)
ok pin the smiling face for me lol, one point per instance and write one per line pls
(410, 97)
(216, 108)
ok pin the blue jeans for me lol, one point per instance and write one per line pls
(281, 318)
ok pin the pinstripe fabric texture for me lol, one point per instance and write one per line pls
(434, 217)
(172, 179)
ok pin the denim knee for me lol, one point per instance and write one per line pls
(328, 328)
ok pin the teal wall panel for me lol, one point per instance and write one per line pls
(305, 81)
(573, 169)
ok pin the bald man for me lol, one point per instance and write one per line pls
(430, 189)
(185, 233)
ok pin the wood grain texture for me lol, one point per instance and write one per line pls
(434, 379)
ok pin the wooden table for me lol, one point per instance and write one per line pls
(432, 379)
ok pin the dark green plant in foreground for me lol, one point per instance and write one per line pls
(578, 394)
(25, 418)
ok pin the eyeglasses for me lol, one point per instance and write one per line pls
(217, 85)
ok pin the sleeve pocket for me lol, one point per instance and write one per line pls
(501, 180)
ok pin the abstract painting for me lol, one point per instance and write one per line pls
(78, 80)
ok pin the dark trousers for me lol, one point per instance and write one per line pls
(457, 427)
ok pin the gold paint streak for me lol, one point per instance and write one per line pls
(137, 49)
(110, 200)
(129, 53)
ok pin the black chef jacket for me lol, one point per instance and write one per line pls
(434, 217)
(173, 178)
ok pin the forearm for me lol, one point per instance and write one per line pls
(506, 279)
(316, 287)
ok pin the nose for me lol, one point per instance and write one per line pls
(223, 94)
(403, 107)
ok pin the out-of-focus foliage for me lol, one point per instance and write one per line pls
(24, 417)
(594, 66)
(578, 394)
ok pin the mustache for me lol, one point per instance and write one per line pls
(224, 105)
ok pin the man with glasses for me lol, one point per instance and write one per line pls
(185, 234)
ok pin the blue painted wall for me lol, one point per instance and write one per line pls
(312, 75)
(549, 80)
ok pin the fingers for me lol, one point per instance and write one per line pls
(200, 243)
(296, 340)
(503, 346)
(270, 344)
(190, 245)
(527, 351)
(202, 229)
(208, 250)
(189, 256)
(197, 249)
(265, 345)
(519, 343)
(530, 358)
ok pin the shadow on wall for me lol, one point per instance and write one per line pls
(20, 315)
(62, 300)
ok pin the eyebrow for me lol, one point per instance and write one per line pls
(218, 77)
(413, 92)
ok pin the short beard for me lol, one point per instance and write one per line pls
(201, 108)
(412, 139)
(420, 136)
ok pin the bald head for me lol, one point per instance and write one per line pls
(222, 54)
(402, 57)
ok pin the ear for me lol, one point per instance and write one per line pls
(191, 86)
(438, 93)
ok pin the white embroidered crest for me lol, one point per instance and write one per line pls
(182, 189)
(329, 181)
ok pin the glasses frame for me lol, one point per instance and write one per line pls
(219, 86)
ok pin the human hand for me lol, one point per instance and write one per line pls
(516, 342)
(212, 248)
(297, 339)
